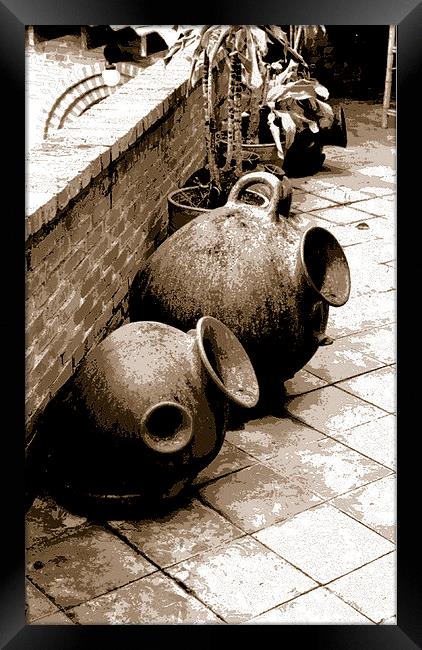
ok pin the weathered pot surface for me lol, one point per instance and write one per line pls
(147, 410)
(268, 277)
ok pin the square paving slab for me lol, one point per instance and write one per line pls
(242, 579)
(83, 565)
(324, 543)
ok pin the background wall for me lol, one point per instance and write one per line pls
(351, 61)
(96, 208)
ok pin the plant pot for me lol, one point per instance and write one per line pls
(189, 202)
(146, 411)
(268, 277)
(305, 156)
(336, 135)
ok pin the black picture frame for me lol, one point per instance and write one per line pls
(14, 15)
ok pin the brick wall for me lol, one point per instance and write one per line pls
(96, 207)
(51, 69)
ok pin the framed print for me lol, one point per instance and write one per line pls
(210, 399)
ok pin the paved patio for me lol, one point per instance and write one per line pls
(294, 521)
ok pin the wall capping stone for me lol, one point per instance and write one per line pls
(60, 167)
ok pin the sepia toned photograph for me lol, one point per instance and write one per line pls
(210, 316)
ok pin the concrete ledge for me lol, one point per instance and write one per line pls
(65, 163)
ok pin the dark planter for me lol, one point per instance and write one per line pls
(305, 156)
(189, 202)
(268, 277)
(146, 411)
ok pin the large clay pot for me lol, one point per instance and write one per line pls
(268, 277)
(147, 410)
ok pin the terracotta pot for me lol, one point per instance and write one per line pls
(268, 277)
(336, 134)
(147, 411)
(185, 204)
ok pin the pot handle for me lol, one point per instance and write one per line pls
(280, 189)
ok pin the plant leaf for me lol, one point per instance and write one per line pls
(260, 37)
(326, 115)
(297, 90)
(277, 33)
(321, 90)
(289, 127)
(275, 132)
(255, 74)
(214, 49)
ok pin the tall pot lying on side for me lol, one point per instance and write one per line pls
(146, 411)
(267, 276)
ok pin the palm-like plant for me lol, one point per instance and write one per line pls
(282, 91)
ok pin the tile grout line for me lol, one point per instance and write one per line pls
(362, 522)
(318, 586)
(185, 588)
(326, 584)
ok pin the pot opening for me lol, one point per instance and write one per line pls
(167, 427)
(226, 362)
(325, 266)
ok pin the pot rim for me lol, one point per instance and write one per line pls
(246, 397)
(176, 203)
(182, 205)
(178, 439)
(333, 302)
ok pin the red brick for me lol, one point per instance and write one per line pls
(58, 344)
(56, 301)
(52, 374)
(93, 315)
(35, 403)
(75, 259)
(64, 375)
(70, 306)
(79, 353)
(51, 284)
(111, 256)
(92, 280)
(80, 231)
(109, 290)
(100, 249)
(58, 254)
(45, 245)
(94, 236)
(85, 308)
(102, 321)
(81, 272)
(118, 229)
(41, 363)
(121, 260)
(129, 228)
(119, 295)
(34, 328)
(101, 210)
(35, 278)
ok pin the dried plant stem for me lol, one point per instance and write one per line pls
(237, 113)
(209, 121)
(230, 115)
(254, 104)
(297, 38)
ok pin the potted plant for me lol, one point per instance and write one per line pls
(209, 187)
(270, 102)
(294, 114)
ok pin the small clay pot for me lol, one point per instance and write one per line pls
(147, 410)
